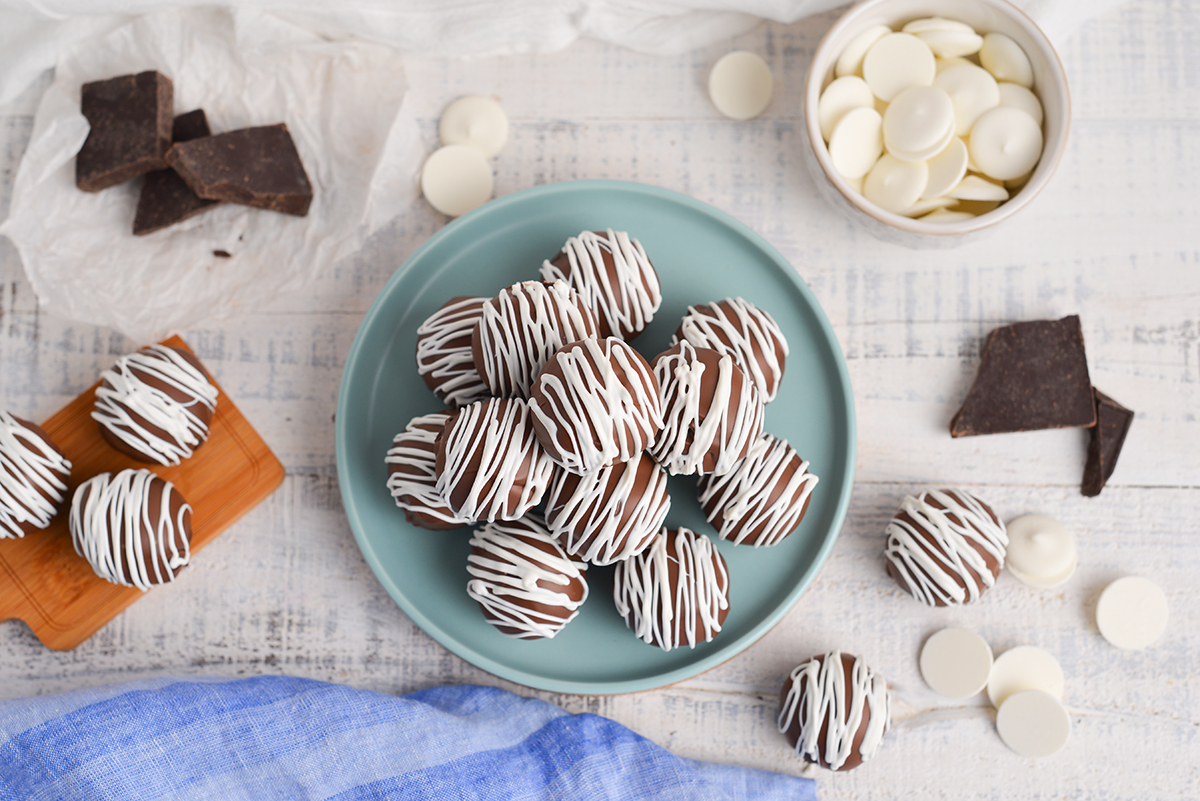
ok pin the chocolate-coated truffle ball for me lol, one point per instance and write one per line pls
(412, 474)
(744, 331)
(444, 358)
(33, 474)
(945, 547)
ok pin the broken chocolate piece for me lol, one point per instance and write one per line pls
(1112, 424)
(1032, 376)
(166, 198)
(130, 117)
(253, 166)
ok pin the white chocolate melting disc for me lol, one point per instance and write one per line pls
(1006, 143)
(895, 185)
(973, 187)
(926, 205)
(456, 179)
(944, 64)
(1005, 59)
(1132, 612)
(945, 216)
(856, 142)
(927, 24)
(952, 44)
(1025, 667)
(956, 662)
(844, 94)
(946, 169)
(918, 119)
(972, 90)
(896, 62)
(851, 59)
(1014, 95)
(1033, 723)
(1041, 551)
(477, 121)
(740, 85)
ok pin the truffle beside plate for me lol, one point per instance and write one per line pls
(701, 255)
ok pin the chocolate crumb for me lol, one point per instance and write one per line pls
(222, 254)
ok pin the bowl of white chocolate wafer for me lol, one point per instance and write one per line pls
(929, 122)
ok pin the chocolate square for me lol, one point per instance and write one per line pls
(1108, 436)
(130, 117)
(166, 198)
(253, 166)
(1032, 375)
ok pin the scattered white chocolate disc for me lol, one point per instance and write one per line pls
(896, 62)
(956, 662)
(895, 185)
(973, 187)
(1025, 667)
(856, 142)
(917, 119)
(952, 44)
(927, 24)
(842, 95)
(1005, 142)
(946, 169)
(851, 59)
(456, 179)
(926, 205)
(741, 85)
(1041, 551)
(1132, 612)
(946, 216)
(1005, 60)
(1016, 96)
(1033, 723)
(477, 121)
(972, 91)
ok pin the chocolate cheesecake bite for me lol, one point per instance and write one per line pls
(744, 331)
(674, 593)
(33, 473)
(613, 275)
(945, 547)
(444, 358)
(134, 528)
(524, 583)
(834, 711)
(155, 405)
(412, 474)
(595, 402)
(130, 118)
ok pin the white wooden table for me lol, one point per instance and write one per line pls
(1115, 238)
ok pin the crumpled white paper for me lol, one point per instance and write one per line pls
(341, 102)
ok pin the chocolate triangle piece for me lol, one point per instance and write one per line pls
(1108, 436)
(166, 198)
(130, 117)
(1032, 375)
(253, 166)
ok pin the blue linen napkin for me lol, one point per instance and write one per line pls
(276, 737)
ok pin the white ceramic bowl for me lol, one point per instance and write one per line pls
(985, 16)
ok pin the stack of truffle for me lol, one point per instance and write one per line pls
(561, 436)
(134, 527)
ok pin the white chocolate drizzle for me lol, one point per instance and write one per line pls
(741, 500)
(444, 352)
(672, 614)
(817, 695)
(931, 551)
(746, 332)
(108, 516)
(627, 299)
(414, 487)
(603, 417)
(522, 327)
(31, 473)
(125, 393)
(510, 461)
(688, 435)
(603, 530)
(509, 575)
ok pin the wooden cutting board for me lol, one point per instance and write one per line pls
(53, 589)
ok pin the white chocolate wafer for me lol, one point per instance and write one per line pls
(972, 91)
(477, 121)
(956, 662)
(927, 24)
(946, 169)
(926, 205)
(1006, 143)
(917, 119)
(1005, 59)
(843, 95)
(851, 59)
(945, 216)
(456, 179)
(1016, 96)
(896, 62)
(1132, 612)
(1033, 723)
(857, 142)
(973, 187)
(1041, 551)
(1025, 667)
(741, 85)
(895, 185)
(952, 44)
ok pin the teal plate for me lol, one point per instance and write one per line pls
(701, 255)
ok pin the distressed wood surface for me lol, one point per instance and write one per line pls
(1115, 238)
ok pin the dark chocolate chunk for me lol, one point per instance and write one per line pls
(1032, 376)
(1112, 424)
(130, 117)
(253, 166)
(166, 198)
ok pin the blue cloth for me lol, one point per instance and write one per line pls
(275, 737)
